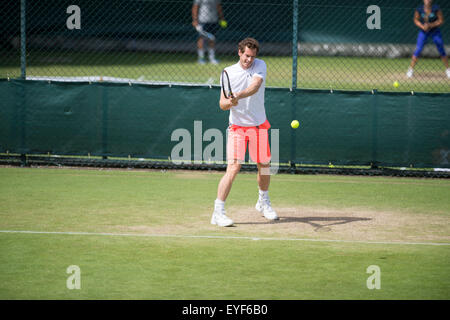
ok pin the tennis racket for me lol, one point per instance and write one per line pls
(203, 33)
(226, 85)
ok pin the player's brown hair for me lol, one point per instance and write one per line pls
(250, 43)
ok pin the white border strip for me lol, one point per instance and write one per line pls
(107, 79)
(219, 237)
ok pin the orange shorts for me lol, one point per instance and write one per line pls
(257, 139)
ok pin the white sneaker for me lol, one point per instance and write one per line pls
(219, 218)
(448, 73)
(201, 61)
(265, 207)
(410, 73)
(213, 61)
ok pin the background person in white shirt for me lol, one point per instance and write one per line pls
(247, 125)
(206, 14)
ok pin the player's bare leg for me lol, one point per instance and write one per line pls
(413, 62)
(445, 61)
(263, 205)
(219, 216)
(201, 51)
(263, 176)
(226, 182)
(211, 52)
(410, 72)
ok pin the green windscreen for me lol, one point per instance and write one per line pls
(105, 119)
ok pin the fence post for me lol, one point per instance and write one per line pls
(294, 44)
(23, 53)
(105, 116)
(23, 76)
(294, 76)
(374, 164)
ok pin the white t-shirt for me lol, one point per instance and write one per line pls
(207, 12)
(250, 111)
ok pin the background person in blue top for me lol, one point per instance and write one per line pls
(428, 18)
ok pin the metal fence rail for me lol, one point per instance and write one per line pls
(305, 43)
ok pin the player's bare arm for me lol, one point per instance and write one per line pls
(195, 15)
(220, 11)
(417, 21)
(251, 89)
(439, 22)
(226, 104)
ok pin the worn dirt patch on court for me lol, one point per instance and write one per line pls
(435, 76)
(353, 224)
(348, 224)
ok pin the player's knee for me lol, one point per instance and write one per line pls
(263, 165)
(234, 167)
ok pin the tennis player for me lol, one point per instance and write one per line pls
(206, 14)
(428, 18)
(248, 125)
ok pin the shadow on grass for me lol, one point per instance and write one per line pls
(315, 222)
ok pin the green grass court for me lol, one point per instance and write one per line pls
(146, 235)
(337, 73)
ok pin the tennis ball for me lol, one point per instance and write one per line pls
(395, 84)
(223, 24)
(295, 124)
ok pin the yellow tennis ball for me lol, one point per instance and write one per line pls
(395, 84)
(295, 124)
(223, 24)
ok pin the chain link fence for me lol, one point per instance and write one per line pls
(340, 45)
